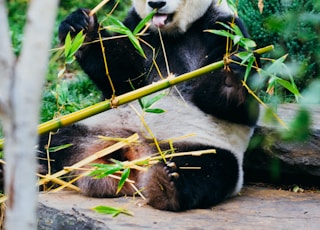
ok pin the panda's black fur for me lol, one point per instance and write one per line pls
(211, 112)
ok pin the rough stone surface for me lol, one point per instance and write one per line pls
(256, 208)
(285, 161)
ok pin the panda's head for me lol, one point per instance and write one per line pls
(176, 16)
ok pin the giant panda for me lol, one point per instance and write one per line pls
(211, 112)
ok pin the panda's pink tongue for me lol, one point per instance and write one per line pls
(159, 20)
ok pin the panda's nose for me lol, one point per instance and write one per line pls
(156, 4)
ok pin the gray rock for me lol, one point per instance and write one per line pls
(285, 161)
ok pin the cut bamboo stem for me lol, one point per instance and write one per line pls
(90, 159)
(130, 96)
(63, 183)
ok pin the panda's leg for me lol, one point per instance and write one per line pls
(192, 181)
(108, 186)
(85, 142)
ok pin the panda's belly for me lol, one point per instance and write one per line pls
(180, 123)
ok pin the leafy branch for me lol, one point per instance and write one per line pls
(274, 73)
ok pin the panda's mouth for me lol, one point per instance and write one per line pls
(160, 20)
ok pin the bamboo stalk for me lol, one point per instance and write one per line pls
(130, 96)
(98, 7)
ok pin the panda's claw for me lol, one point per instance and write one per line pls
(171, 165)
(171, 170)
(174, 175)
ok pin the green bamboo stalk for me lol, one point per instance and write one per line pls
(130, 96)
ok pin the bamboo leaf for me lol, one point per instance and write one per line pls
(237, 31)
(276, 66)
(244, 56)
(221, 33)
(287, 85)
(104, 170)
(118, 27)
(226, 26)
(77, 43)
(150, 101)
(143, 22)
(125, 175)
(236, 39)
(155, 110)
(236, 35)
(115, 21)
(67, 45)
(112, 211)
(232, 4)
(58, 148)
(247, 43)
(249, 67)
(135, 42)
(72, 46)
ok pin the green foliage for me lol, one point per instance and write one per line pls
(17, 19)
(273, 74)
(67, 96)
(293, 27)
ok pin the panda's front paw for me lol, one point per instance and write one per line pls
(79, 20)
(159, 186)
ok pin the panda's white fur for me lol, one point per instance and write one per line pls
(182, 16)
(178, 123)
(210, 112)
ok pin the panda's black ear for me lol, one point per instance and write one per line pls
(79, 20)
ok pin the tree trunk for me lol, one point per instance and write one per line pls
(20, 95)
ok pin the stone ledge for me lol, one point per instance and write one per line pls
(256, 208)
